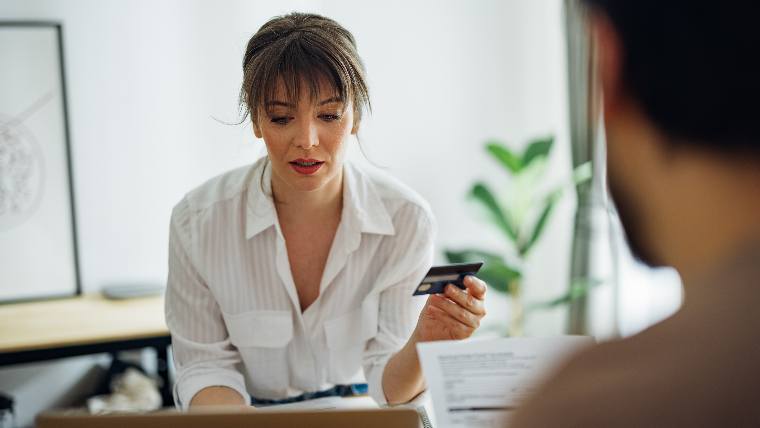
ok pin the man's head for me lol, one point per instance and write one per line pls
(681, 85)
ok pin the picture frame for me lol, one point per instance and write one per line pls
(38, 239)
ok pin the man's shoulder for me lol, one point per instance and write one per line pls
(673, 373)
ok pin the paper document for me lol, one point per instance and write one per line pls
(479, 382)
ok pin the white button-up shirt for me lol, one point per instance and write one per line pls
(232, 306)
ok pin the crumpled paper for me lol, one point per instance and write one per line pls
(132, 391)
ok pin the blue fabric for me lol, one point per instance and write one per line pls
(335, 391)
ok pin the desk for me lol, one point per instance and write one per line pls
(88, 324)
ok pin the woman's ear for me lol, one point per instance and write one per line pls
(355, 128)
(256, 129)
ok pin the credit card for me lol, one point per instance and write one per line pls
(438, 277)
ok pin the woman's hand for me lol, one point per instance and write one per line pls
(453, 315)
(218, 396)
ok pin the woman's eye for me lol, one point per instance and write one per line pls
(280, 120)
(329, 117)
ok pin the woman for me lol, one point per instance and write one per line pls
(289, 276)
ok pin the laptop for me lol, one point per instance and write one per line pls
(364, 418)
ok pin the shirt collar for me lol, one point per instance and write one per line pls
(261, 213)
(363, 208)
(362, 203)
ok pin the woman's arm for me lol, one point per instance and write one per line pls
(203, 354)
(454, 315)
(402, 377)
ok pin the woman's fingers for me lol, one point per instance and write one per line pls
(449, 326)
(466, 300)
(475, 286)
(456, 314)
(456, 311)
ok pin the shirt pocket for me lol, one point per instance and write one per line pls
(347, 337)
(262, 339)
(267, 329)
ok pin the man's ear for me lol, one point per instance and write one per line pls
(609, 61)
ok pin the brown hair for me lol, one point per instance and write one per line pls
(297, 48)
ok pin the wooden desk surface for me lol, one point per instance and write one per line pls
(79, 320)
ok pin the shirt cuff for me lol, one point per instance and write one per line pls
(185, 389)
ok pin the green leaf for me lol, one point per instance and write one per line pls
(494, 272)
(543, 219)
(469, 255)
(502, 154)
(481, 193)
(537, 149)
(498, 277)
(579, 288)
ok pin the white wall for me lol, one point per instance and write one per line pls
(446, 76)
(146, 78)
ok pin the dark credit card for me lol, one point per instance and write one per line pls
(439, 276)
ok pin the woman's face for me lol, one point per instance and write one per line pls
(305, 142)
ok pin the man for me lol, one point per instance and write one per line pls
(681, 88)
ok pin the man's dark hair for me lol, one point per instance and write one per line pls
(693, 66)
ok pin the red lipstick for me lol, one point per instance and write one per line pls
(306, 166)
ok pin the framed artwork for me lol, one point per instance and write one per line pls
(38, 249)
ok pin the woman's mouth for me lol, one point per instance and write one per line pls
(306, 166)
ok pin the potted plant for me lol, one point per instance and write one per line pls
(520, 215)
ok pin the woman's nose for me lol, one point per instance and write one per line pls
(307, 137)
